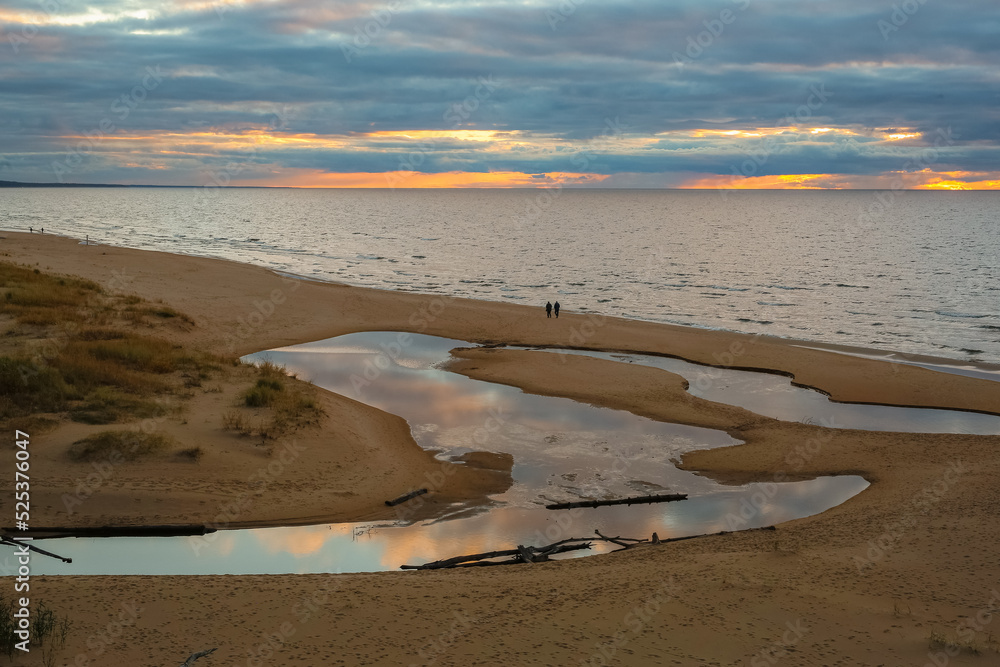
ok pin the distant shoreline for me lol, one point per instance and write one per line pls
(25, 184)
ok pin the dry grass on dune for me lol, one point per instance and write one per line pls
(73, 352)
(72, 348)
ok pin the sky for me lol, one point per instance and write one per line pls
(875, 94)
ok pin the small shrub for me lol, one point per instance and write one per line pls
(264, 393)
(271, 371)
(234, 420)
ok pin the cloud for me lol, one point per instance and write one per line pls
(556, 77)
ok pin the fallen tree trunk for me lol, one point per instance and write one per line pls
(9, 541)
(662, 498)
(521, 554)
(721, 532)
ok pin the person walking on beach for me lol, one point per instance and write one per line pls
(557, 309)
(548, 309)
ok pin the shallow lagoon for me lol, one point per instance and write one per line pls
(563, 450)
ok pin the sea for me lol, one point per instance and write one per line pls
(908, 272)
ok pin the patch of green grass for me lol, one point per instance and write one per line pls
(263, 394)
(120, 445)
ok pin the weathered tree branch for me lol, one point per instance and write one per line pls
(196, 656)
(635, 500)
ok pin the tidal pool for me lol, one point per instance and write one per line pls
(562, 450)
(774, 395)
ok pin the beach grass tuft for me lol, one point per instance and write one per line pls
(938, 640)
(118, 445)
(106, 405)
(263, 394)
(26, 388)
(92, 363)
(290, 405)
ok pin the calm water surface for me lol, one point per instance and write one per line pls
(921, 277)
(562, 450)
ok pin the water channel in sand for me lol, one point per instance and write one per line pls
(562, 450)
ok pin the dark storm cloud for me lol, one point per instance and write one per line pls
(650, 67)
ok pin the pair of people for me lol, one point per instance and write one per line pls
(549, 308)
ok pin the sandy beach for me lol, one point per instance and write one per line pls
(905, 573)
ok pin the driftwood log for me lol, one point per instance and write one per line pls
(518, 556)
(196, 656)
(523, 554)
(636, 500)
(406, 496)
(721, 532)
(17, 543)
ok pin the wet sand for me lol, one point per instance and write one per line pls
(873, 581)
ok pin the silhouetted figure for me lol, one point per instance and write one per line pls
(557, 309)
(548, 309)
